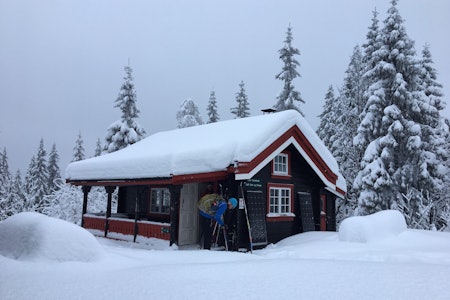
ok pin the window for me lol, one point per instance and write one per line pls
(281, 164)
(160, 201)
(280, 200)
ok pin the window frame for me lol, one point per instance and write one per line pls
(279, 215)
(161, 205)
(281, 174)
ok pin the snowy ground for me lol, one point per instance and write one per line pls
(39, 262)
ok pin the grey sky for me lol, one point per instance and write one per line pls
(62, 62)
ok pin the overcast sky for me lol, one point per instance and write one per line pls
(61, 62)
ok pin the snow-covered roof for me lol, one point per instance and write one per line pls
(206, 148)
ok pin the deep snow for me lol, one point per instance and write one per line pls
(384, 264)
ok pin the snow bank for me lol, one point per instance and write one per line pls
(378, 226)
(31, 236)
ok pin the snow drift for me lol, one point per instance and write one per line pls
(378, 226)
(31, 236)
(413, 265)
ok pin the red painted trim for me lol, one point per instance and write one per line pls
(340, 191)
(280, 185)
(201, 177)
(279, 219)
(176, 179)
(281, 176)
(295, 132)
(126, 227)
(123, 182)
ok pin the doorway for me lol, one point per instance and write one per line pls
(188, 225)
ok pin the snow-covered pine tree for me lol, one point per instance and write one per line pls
(328, 117)
(98, 148)
(66, 203)
(441, 210)
(391, 129)
(5, 186)
(373, 43)
(54, 174)
(349, 105)
(36, 181)
(125, 131)
(288, 96)
(242, 109)
(18, 195)
(5, 175)
(433, 161)
(213, 115)
(78, 150)
(188, 115)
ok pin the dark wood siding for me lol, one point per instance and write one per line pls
(304, 179)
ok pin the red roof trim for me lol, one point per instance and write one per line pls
(123, 182)
(295, 132)
(200, 177)
(175, 179)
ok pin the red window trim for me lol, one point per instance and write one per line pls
(282, 176)
(280, 217)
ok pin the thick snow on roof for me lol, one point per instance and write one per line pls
(199, 149)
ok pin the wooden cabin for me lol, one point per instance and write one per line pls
(275, 164)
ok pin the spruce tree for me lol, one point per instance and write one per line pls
(213, 115)
(37, 181)
(78, 150)
(373, 44)
(327, 126)
(5, 175)
(188, 115)
(391, 128)
(350, 105)
(98, 148)
(54, 174)
(17, 190)
(125, 131)
(288, 96)
(242, 109)
(5, 186)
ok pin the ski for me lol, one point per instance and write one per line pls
(247, 219)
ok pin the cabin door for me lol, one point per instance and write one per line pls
(188, 227)
(306, 211)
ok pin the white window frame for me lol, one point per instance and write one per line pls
(280, 201)
(281, 164)
(159, 201)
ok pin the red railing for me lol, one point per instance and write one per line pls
(126, 227)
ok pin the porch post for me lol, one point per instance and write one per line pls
(109, 190)
(136, 216)
(175, 191)
(86, 189)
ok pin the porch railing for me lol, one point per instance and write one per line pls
(126, 226)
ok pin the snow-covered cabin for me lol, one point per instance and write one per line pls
(274, 163)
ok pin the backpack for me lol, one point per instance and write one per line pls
(210, 203)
